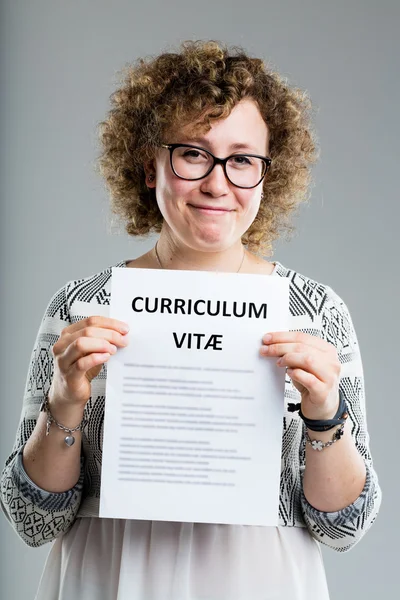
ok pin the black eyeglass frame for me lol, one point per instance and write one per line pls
(217, 161)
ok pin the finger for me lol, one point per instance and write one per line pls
(81, 347)
(98, 321)
(84, 364)
(297, 337)
(313, 363)
(279, 349)
(308, 380)
(112, 336)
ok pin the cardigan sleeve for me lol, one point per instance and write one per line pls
(38, 516)
(342, 529)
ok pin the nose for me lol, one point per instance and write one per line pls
(216, 182)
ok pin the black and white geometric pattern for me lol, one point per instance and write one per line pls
(39, 516)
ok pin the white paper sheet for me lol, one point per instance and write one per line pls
(194, 435)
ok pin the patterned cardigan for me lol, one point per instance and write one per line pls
(39, 516)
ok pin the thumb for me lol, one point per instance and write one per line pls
(93, 372)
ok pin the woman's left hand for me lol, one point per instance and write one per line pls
(314, 367)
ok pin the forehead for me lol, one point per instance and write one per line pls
(243, 129)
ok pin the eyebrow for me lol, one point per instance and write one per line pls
(235, 146)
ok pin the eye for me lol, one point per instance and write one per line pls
(194, 155)
(240, 160)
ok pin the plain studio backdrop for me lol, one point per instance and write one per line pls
(59, 63)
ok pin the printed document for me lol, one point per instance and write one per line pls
(193, 413)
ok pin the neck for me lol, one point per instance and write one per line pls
(175, 255)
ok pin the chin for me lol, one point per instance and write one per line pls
(211, 242)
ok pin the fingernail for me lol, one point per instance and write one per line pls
(267, 337)
(124, 328)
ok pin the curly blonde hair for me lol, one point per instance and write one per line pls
(194, 87)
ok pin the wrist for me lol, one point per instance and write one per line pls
(321, 414)
(68, 415)
(323, 424)
(324, 436)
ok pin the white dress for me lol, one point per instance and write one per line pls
(116, 559)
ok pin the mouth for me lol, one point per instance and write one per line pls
(210, 210)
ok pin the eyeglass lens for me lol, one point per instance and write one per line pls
(193, 163)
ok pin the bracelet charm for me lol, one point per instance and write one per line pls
(319, 445)
(69, 438)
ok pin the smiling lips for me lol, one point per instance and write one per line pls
(210, 210)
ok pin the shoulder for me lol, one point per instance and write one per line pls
(316, 302)
(91, 289)
(310, 295)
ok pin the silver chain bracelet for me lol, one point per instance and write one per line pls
(319, 445)
(69, 439)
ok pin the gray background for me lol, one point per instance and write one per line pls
(59, 64)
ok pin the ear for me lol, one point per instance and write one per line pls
(150, 171)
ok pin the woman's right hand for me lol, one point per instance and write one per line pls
(79, 354)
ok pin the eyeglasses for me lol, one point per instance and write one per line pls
(192, 163)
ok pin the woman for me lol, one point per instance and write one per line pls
(212, 150)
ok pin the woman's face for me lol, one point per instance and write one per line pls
(211, 214)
